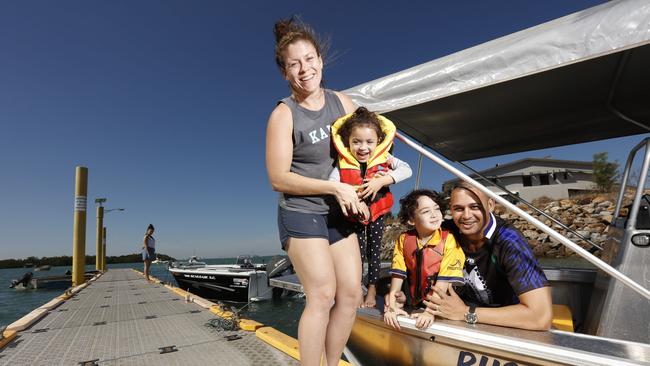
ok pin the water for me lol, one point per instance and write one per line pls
(281, 314)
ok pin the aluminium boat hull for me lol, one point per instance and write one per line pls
(372, 342)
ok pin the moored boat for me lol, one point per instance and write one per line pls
(240, 282)
(29, 282)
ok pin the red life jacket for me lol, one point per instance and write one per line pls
(422, 264)
(383, 201)
(350, 168)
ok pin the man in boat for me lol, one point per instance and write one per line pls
(504, 282)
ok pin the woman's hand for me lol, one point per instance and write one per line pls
(364, 211)
(346, 196)
(424, 319)
(371, 186)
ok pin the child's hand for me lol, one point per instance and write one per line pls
(371, 186)
(424, 319)
(390, 316)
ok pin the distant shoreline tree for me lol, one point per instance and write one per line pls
(67, 260)
(605, 172)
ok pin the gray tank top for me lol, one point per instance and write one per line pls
(313, 153)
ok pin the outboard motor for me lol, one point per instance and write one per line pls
(247, 264)
(27, 277)
(279, 265)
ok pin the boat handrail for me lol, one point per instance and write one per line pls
(535, 222)
(532, 207)
(637, 198)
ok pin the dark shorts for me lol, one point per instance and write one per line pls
(149, 254)
(332, 226)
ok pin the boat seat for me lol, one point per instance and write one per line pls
(562, 319)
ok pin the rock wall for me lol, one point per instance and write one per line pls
(589, 217)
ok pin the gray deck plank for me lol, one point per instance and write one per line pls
(124, 300)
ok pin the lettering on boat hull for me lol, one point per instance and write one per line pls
(467, 358)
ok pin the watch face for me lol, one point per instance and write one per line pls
(470, 318)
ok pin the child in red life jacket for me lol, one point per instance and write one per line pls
(425, 256)
(363, 140)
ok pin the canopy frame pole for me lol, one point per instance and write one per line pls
(419, 173)
(634, 211)
(612, 91)
(519, 199)
(626, 174)
(538, 224)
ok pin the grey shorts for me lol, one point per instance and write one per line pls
(148, 254)
(332, 226)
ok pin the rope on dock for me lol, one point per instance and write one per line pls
(225, 323)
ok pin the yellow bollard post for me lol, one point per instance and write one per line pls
(104, 252)
(79, 228)
(100, 230)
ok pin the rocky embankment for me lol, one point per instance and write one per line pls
(589, 216)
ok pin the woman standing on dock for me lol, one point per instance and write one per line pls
(148, 250)
(299, 158)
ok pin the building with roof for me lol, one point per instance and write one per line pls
(532, 178)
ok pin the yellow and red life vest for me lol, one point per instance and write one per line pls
(350, 168)
(422, 264)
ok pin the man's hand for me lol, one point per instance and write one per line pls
(448, 306)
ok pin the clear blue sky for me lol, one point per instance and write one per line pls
(166, 103)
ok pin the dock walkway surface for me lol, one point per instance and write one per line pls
(121, 319)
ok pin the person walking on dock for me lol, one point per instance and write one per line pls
(148, 250)
(321, 244)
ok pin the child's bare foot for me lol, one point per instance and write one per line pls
(370, 300)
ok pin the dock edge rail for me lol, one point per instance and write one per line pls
(26, 321)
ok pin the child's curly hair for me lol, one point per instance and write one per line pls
(362, 117)
(409, 203)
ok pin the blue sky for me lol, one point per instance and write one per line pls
(166, 103)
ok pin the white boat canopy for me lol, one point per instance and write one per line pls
(583, 77)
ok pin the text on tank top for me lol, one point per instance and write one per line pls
(313, 153)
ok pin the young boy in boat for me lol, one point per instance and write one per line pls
(363, 140)
(504, 282)
(426, 256)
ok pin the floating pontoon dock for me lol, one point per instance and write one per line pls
(121, 319)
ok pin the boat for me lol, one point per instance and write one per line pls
(29, 282)
(580, 78)
(45, 267)
(240, 282)
(158, 261)
(193, 262)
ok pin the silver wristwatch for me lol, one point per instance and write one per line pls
(470, 316)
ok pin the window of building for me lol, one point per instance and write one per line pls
(528, 180)
(543, 179)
